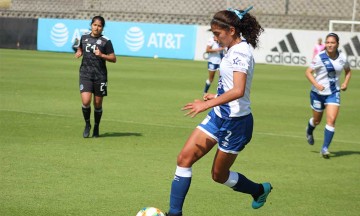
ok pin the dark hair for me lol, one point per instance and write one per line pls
(333, 35)
(248, 26)
(100, 18)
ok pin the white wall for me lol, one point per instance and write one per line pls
(299, 51)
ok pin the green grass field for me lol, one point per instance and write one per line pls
(47, 168)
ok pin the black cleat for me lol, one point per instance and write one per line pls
(309, 138)
(168, 214)
(96, 132)
(86, 132)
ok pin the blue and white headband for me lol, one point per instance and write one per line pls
(240, 14)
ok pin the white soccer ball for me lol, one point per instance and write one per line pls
(150, 211)
(156, 56)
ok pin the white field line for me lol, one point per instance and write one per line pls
(168, 126)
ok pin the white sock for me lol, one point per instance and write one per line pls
(183, 171)
(233, 179)
(311, 122)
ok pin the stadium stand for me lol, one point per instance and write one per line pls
(284, 14)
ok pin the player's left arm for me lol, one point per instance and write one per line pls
(238, 91)
(345, 84)
(108, 54)
(108, 57)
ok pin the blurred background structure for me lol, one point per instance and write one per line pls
(283, 14)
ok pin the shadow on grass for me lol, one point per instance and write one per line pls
(340, 153)
(344, 153)
(119, 134)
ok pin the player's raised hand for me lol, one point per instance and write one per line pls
(97, 52)
(195, 107)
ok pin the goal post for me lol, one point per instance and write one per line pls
(332, 22)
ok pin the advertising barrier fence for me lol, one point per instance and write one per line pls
(18, 33)
(277, 46)
(289, 46)
(130, 39)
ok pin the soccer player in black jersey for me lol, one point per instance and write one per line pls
(95, 49)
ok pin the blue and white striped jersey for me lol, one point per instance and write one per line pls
(238, 58)
(330, 82)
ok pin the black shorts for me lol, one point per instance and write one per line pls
(99, 88)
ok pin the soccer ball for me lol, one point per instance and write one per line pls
(150, 211)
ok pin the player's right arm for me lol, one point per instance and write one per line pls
(78, 53)
(309, 75)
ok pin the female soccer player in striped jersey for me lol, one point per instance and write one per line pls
(215, 52)
(324, 75)
(230, 123)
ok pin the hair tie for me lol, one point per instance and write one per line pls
(240, 14)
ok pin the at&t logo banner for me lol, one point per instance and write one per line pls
(150, 40)
(130, 39)
(60, 34)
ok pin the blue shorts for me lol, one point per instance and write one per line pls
(231, 134)
(213, 67)
(318, 102)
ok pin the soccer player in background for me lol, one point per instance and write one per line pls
(324, 75)
(318, 48)
(95, 49)
(214, 50)
(230, 122)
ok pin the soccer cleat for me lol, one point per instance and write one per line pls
(96, 132)
(310, 138)
(260, 201)
(86, 132)
(325, 154)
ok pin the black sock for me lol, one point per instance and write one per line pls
(261, 191)
(86, 113)
(97, 115)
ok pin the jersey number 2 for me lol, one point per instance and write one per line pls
(90, 48)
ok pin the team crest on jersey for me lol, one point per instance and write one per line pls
(98, 42)
(326, 62)
(236, 61)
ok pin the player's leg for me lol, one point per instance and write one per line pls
(198, 144)
(233, 138)
(97, 114)
(99, 93)
(211, 69)
(317, 106)
(332, 111)
(86, 94)
(238, 182)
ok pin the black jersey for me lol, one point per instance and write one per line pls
(93, 67)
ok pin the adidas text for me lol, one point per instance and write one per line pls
(287, 58)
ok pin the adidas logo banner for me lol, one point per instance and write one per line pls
(295, 47)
